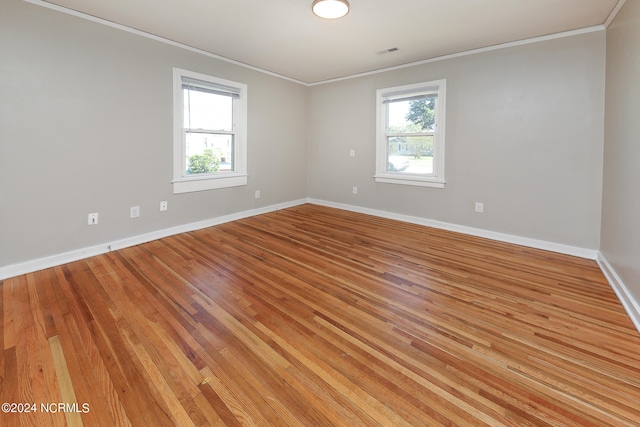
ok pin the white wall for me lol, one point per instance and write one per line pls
(620, 242)
(85, 126)
(524, 135)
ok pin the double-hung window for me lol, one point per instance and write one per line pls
(210, 122)
(410, 134)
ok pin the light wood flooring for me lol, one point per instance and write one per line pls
(313, 316)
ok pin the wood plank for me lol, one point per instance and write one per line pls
(44, 381)
(10, 386)
(67, 393)
(28, 378)
(8, 330)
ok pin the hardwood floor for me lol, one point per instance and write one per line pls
(313, 316)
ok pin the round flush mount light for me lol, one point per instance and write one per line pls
(330, 9)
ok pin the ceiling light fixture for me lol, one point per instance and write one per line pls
(330, 9)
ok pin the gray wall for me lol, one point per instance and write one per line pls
(86, 126)
(620, 242)
(524, 135)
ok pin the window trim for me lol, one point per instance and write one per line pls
(436, 179)
(185, 184)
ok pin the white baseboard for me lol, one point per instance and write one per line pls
(502, 237)
(75, 255)
(629, 303)
(627, 300)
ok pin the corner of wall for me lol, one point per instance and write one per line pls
(627, 300)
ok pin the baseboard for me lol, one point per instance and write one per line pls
(78, 254)
(629, 303)
(631, 306)
(627, 300)
(502, 237)
(58, 259)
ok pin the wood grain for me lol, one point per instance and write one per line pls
(312, 316)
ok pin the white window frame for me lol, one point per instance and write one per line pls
(183, 183)
(435, 179)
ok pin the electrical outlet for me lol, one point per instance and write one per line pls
(355, 190)
(352, 153)
(257, 194)
(134, 212)
(163, 206)
(93, 218)
(479, 207)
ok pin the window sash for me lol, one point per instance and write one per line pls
(231, 175)
(233, 157)
(431, 177)
(409, 97)
(186, 105)
(190, 84)
(214, 131)
(426, 133)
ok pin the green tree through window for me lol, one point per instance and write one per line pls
(206, 162)
(422, 112)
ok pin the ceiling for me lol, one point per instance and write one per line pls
(286, 38)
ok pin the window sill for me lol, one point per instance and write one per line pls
(188, 185)
(409, 180)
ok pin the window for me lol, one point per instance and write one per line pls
(410, 134)
(209, 137)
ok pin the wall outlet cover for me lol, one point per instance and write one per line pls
(93, 218)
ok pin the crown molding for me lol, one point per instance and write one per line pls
(349, 77)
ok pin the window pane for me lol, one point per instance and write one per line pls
(207, 111)
(411, 116)
(410, 154)
(208, 153)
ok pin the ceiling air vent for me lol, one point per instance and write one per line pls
(392, 49)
